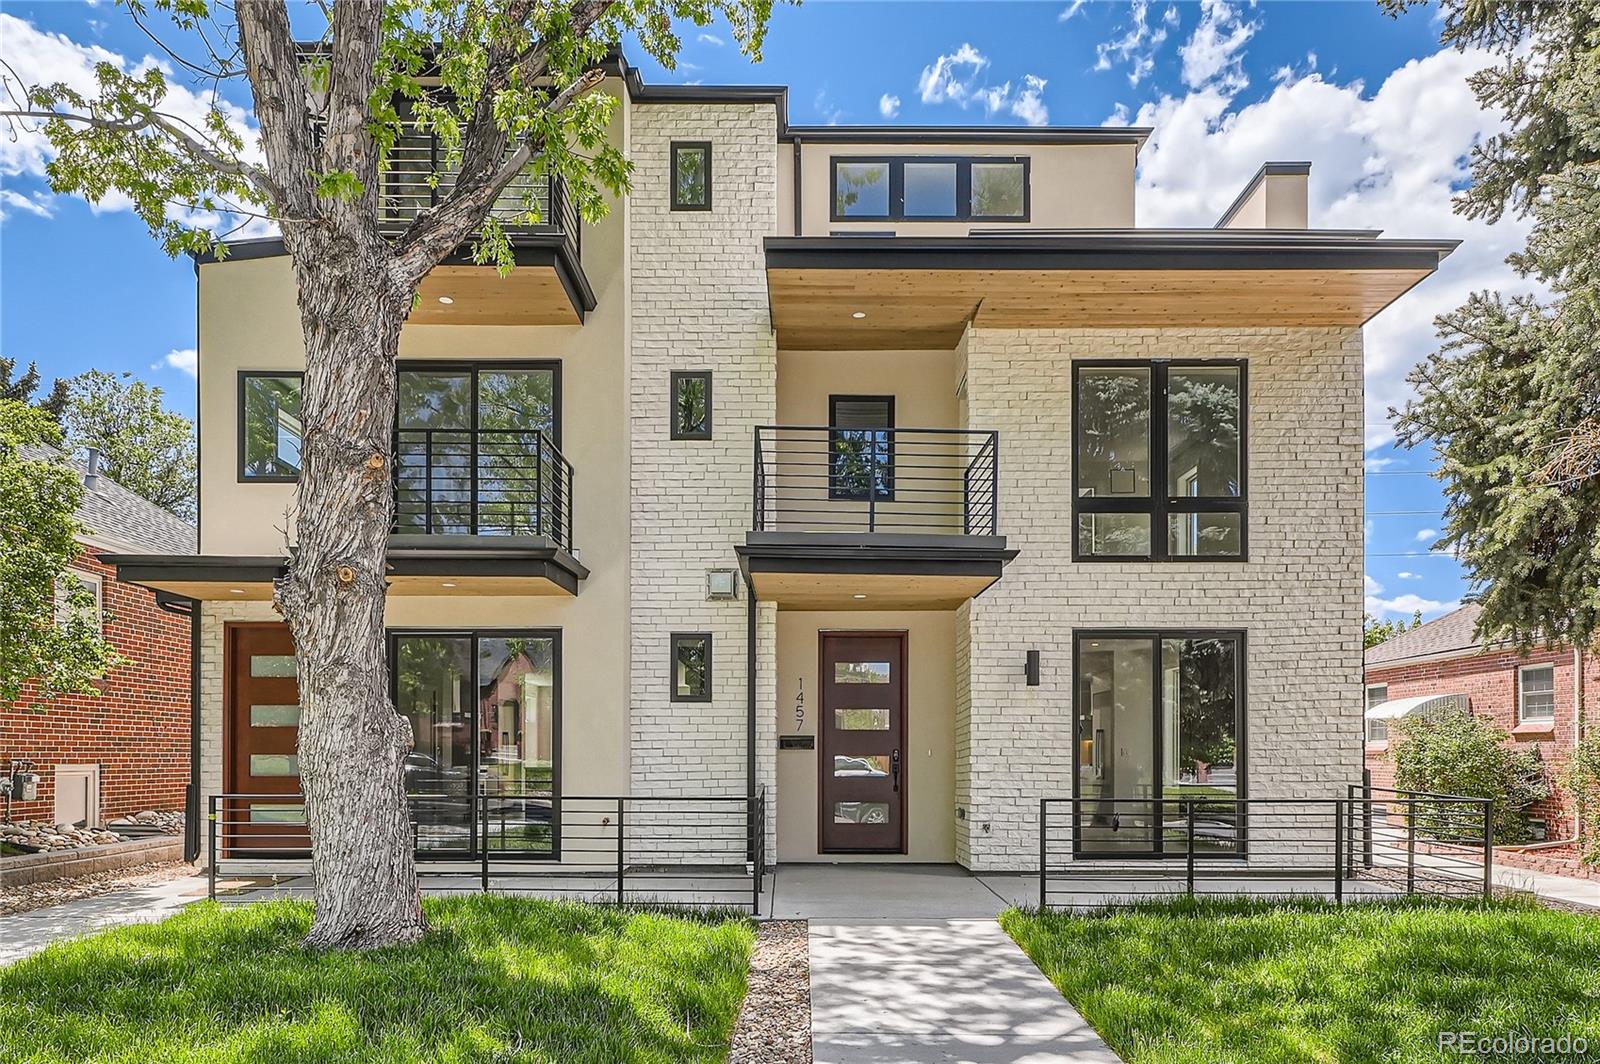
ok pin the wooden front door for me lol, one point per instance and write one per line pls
(262, 727)
(861, 764)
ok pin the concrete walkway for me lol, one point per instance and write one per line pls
(907, 991)
(1569, 889)
(22, 934)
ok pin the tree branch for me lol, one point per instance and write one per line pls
(279, 90)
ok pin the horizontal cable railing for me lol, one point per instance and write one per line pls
(482, 482)
(1107, 852)
(695, 851)
(820, 478)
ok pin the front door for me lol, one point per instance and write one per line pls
(263, 724)
(861, 763)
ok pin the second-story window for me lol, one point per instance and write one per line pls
(269, 426)
(1159, 460)
(691, 404)
(1536, 694)
(691, 175)
(929, 188)
(860, 446)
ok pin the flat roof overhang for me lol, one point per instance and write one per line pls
(826, 571)
(442, 566)
(923, 292)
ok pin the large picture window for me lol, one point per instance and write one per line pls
(1159, 460)
(269, 426)
(930, 188)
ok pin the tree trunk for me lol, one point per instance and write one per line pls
(352, 742)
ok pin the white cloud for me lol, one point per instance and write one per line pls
(951, 77)
(1381, 160)
(1138, 44)
(888, 106)
(1372, 586)
(187, 360)
(1214, 53)
(1426, 534)
(1406, 605)
(1376, 464)
(1029, 104)
(712, 39)
(993, 97)
(1070, 10)
(38, 203)
(1409, 576)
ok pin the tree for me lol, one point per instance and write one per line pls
(48, 631)
(506, 87)
(22, 388)
(1511, 401)
(144, 447)
(1375, 631)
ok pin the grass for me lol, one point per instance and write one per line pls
(498, 979)
(1227, 982)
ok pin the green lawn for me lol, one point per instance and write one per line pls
(1198, 982)
(498, 979)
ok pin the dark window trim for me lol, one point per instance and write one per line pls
(1159, 504)
(474, 366)
(836, 492)
(897, 188)
(1158, 752)
(239, 465)
(391, 637)
(672, 666)
(672, 179)
(672, 403)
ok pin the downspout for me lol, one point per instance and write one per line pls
(750, 691)
(191, 812)
(798, 213)
(1577, 739)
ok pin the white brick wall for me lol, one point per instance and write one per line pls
(1299, 596)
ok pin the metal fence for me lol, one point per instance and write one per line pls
(482, 482)
(697, 852)
(1107, 852)
(820, 478)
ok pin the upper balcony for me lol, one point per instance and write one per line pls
(874, 518)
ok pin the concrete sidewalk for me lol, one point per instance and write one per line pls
(960, 991)
(22, 934)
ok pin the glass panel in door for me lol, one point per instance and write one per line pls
(518, 489)
(1200, 741)
(1116, 748)
(516, 742)
(433, 690)
(433, 452)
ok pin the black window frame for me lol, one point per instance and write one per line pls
(674, 641)
(391, 645)
(1241, 791)
(672, 178)
(897, 188)
(677, 376)
(1158, 504)
(885, 493)
(239, 457)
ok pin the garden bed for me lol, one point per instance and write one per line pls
(1207, 982)
(498, 978)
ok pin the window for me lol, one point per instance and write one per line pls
(691, 405)
(1377, 730)
(860, 446)
(1159, 460)
(269, 427)
(932, 188)
(65, 609)
(691, 175)
(1536, 694)
(691, 666)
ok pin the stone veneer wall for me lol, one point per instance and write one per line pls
(699, 302)
(1299, 596)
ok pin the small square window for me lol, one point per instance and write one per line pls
(691, 666)
(1536, 694)
(691, 405)
(691, 175)
(269, 427)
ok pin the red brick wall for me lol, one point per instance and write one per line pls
(1490, 683)
(137, 730)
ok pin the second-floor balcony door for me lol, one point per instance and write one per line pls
(477, 450)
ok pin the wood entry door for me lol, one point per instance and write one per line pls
(861, 765)
(263, 728)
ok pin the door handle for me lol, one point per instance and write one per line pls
(894, 769)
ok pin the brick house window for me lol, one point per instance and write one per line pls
(1536, 694)
(1159, 463)
(91, 582)
(691, 666)
(691, 175)
(691, 405)
(1377, 730)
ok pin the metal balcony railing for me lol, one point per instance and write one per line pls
(482, 482)
(820, 478)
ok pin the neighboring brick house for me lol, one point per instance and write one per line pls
(1533, 697)
(894, 472)
(125, 750)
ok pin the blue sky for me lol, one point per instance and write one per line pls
(1375, 104)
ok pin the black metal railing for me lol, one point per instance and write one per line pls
(482, 482)
(1107, 852)
(694, 851)
(408, 187)
(819, 478)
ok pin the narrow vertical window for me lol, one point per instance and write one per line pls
(1536, 694)
(691, 175)
(1377, 728)
(691, 666)
(860, 446)
(269, 427)
(691, 405)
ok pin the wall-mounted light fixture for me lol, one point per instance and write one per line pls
(722, 583)
(1033, 668)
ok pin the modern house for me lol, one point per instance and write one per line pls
(891, 474)
(94, 758)
(1537, 699)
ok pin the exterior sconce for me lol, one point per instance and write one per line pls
(1033, 668)
(722, 583)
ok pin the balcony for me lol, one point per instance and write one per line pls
(547, 288)
(874, 519)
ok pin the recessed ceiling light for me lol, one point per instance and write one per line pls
(447, 584)
(236, 591)
(858, 596)
(446, 300)
(859, 314)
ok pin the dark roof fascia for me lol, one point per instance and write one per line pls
(1205, 251)
(478, 558)
(889, 555)
(1267, 170)
(1134, 135)
(204, 568)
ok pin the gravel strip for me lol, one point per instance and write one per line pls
(55, 891)
(774, 1025)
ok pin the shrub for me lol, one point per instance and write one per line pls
(1456, 753)
(1582, 781)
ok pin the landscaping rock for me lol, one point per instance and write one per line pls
(37, 838)
(774, 1025)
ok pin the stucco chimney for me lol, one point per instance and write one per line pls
(1276, 198)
